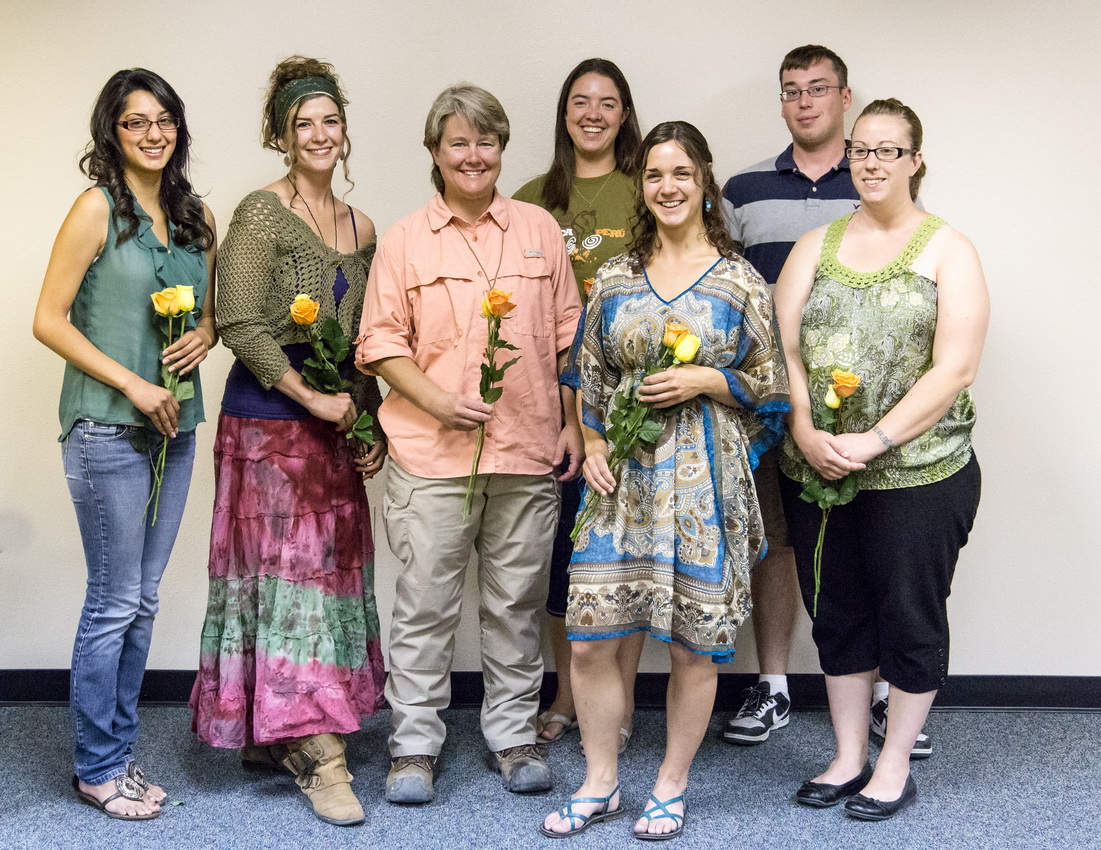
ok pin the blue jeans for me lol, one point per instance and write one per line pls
(110, 483)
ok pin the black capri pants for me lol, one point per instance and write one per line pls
(888, 558)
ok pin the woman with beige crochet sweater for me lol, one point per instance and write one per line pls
(290, 655)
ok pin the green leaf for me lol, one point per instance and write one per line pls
(510, 363)
(507, 345)
(363, 429)
(650, 431)
(185, 390)
(492, 394)
(830, 496)
(849, 489)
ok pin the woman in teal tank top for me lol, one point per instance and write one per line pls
(139, 231)
(896, 297)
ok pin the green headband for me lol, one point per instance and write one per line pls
(296, 90)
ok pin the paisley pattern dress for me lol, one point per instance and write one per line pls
(670, 550)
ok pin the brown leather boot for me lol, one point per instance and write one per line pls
(320, 770)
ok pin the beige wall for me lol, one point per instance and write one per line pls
(1006, 92)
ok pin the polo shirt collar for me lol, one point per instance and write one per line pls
(440, 215)
(786, 161)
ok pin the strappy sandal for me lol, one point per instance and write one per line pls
(660, 809)
(579, 822)
(138, 775)
(549, 717)
(126, 788)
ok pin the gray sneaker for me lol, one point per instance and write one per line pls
(410, 780)
(523, 769)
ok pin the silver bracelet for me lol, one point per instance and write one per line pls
(883, 438)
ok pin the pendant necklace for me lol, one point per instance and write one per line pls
(592, 201)
(500, 259)
(320, 235)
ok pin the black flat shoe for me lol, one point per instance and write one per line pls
(821, 795)
(865, 808)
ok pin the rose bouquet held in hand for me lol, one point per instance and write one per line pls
(633, 421)
(173, 307)
(495, 308)
(322, 371)
(827, 496)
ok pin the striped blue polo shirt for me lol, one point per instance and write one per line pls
(768, 206)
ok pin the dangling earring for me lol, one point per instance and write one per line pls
(287, 160)
(706, 205)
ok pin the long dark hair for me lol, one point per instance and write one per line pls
(563, 171)
(645, 233)
(103, 160)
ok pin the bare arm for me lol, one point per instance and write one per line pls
(963, 312)
(79, 242)
(820, 448)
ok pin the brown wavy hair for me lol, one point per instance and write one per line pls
(103, 160)
(274, 138)
(645, 240)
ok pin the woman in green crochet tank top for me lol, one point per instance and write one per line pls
(897, 297)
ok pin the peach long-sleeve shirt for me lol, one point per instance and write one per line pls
(424, 297)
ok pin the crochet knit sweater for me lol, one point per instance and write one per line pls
(269, 256)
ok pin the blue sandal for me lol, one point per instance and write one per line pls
(579, 822)
(660, 809)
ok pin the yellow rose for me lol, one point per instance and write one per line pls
(304, 310)
(844, 383)
(833, 400)
(687, 346)
(673, 332)
(163, 301)
(186, 298)
(496, 303)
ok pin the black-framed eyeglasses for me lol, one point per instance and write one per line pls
(167, 124)
(792, 95)
(882, 154)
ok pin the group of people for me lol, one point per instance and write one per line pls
(623, 249)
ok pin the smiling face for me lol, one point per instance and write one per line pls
(815, 122)
(594, 114)
(469, 163)
(671, 187)
(316, 132)
(151, 150)
(874, 179)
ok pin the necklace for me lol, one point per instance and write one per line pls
(500, 259)
(320, 235)
(592, 201)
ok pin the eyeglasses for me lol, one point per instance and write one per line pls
(882, 154)
(792, 95)
(167, 124)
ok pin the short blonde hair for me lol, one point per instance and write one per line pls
(478, 107)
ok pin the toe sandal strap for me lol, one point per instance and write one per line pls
(660, 809)
(567, 810)
(128, 789)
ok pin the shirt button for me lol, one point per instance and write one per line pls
(480, 274)
(814, 188)
(475, 237)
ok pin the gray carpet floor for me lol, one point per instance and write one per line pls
(996, 780)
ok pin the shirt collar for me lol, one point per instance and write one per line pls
(786, 160)
(440, 215)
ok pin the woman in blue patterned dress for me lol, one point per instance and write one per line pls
(678, 527)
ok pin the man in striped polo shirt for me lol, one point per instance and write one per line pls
(768, 206)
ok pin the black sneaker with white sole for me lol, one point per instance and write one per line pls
(761, 712)
(923, 746)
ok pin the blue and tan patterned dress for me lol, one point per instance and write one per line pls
(670, 550)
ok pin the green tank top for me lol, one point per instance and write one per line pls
(113, 310)
(879, 325)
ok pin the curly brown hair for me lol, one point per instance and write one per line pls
(645, 240)
(274, 137)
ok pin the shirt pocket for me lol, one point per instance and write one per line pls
(529, 281)
(435, 293)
